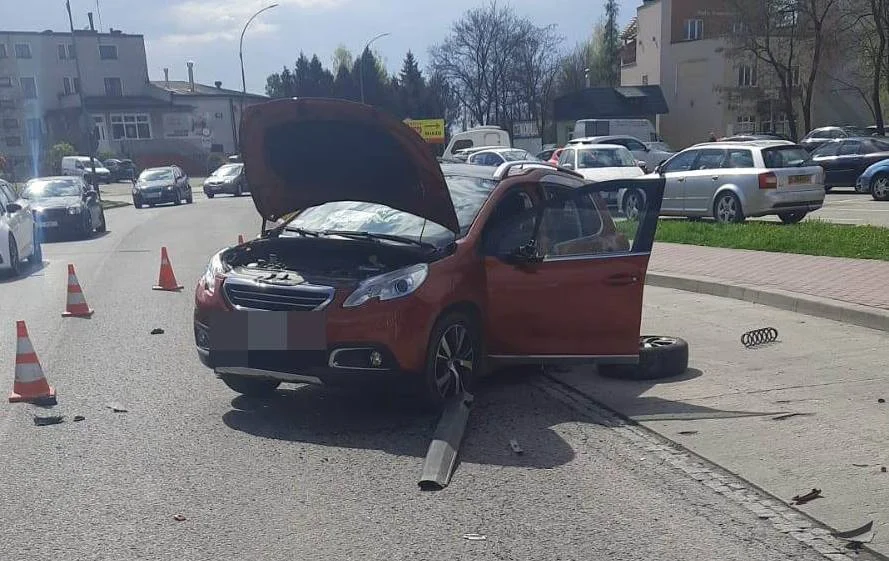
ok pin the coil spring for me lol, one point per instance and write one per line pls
(759, 337)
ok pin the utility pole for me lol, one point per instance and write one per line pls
(86, 125)
(361, 63)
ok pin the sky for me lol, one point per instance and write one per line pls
(207, 31)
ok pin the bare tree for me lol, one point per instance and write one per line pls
(534, 70)
(867, 23)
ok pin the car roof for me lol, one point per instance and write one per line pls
(597, 146)
(159, 168)
(829, 140)
(468, 170)
(743, 144)
(56, 177)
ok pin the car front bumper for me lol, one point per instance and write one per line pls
(58, 221)
(155, 196)
(219, 188)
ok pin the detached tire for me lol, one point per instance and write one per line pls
(660, 356)
(251, 387)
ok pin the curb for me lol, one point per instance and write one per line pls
(827, 308)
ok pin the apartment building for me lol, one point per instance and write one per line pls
(682, 46)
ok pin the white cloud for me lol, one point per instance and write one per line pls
(204, 37)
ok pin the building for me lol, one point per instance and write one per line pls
(682, 46)
(639, 102)
(45, 76)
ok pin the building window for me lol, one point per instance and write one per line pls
(63, 52)
(34, 128)
(13, 141)
(5, 82)
(71, 85)
(72, 54)
(645, 79)
(130, 127)
(694, 29)
(746, 76)
(108, 52)
(113, 87)
(99, 126)
(29, 87)
(3, 50)
(10, 123)
(76, 82)
(22, 50)
(746, 124)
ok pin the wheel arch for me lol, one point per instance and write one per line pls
(732, 188)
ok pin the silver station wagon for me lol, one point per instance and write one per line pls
(732, 181)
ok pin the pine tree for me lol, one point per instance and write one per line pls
(611, 45)
(411, 88)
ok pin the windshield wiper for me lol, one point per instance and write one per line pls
(301, 231)
(373, 236)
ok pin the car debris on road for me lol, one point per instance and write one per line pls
(810, 496)
(48, 420)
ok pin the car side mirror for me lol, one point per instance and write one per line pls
(12, 208)
(642, 165)
(523, 255)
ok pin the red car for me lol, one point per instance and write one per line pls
(385, 264)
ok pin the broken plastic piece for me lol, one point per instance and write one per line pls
(883, 469)
(78, 418)
(117, 407)
(864, 534)
(157, 331)
(49, 420)
(514, 444)
(881, 400)
(789, 415)
(810, 496)
(475, 537)
(178, 518)
(688, 432)
(442, 454)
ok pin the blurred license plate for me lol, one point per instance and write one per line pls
(49, 223)
(268, 331)
(152, 195)
(798, 179)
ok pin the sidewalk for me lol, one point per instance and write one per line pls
(849, 290)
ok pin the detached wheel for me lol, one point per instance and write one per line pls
(660, 357)
(792, 217)
(455, 351)
(879, 187)
(727, 208)
(251, 387)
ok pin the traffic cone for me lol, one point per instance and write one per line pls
(166, 280)
(76, 306)
(30, 384)
(240, 239)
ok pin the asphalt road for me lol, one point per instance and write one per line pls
(309, 474)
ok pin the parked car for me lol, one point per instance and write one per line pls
(65, 204)
(160, 185)
(497, 156)
(875, 180)
(397, 268)
(483, 136)
(18, 232)
(661, 146)
(844, 160)
(121, 169)
(601, 162)
(82, 166)
(757, 136)
(228, 178)
(734, 181)
(651, 157)
(817, 137)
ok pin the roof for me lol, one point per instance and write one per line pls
(50, 32)
(625, 102)
(183, 87)
(631, 29)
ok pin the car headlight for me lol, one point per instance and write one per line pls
(73, 210)
(215, 267)
(169, 187)
(389, 286)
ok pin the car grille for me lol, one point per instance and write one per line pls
(244, 293)
(52, 214)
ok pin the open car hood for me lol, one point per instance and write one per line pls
(300, 153)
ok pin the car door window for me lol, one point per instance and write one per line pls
(849, 148)
(829, 149)
(681, 162)
(710, 159)
(575, 222)
(738, 158)
(566, 157)
(511, 225)
(634, 145)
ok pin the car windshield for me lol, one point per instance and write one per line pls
(227, 171)
(786, 157)
(515, 155)
(47, 189)
(467, 193)
(604, 158)
(156, 175)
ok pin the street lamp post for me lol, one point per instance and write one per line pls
(241, 56)
(361, 64)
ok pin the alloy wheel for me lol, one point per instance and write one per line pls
(14, 262)
(633, 206)
(727, 209)
(881, 187)
(454, 360)
(652, 341)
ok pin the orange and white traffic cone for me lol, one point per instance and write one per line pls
(166, 280)
(76, 305)
(30, 384)
(240, 239)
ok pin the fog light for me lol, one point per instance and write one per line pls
(376, 359)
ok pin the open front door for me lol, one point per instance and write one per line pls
(574, 291)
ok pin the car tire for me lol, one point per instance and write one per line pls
(190, 198)
(792, 217)
(633, 204)
(210, 195)
(15, 263)
(660, 357)
(137, 203)
(879, 187)
(178, 198)
(456, 338)
(36, 257)
(727, 208)
(251, 387)
(103, 226)
(86, 229)
(239, 190)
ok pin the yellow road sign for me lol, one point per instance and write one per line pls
(432, 130)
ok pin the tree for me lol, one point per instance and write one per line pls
(610, 53)
(867, 23)
(367, 72)
(342, 57)
(411, 88)
(59, 151)
(344, 86)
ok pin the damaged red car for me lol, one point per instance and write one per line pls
(382, 264)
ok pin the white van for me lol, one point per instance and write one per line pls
(641, 129)
(478, 136)
(83, 167)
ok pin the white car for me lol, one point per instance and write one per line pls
(82, 166)
(496, 156)
(652, 156)
(18, 232)
(602, 162)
